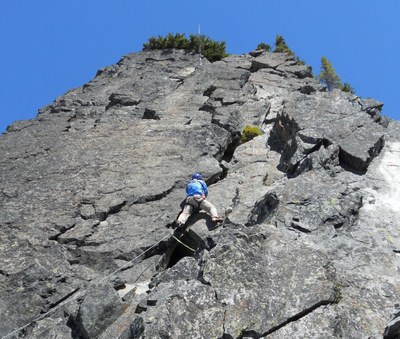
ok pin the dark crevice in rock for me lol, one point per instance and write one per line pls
(255, 334)
(297, 226)
(63, 229)
(55, 236)
(59, 109)
(263, 209)
(182, 244)
(150, 114)
(60, 301)
(207, 107)
(333, 299)
(215, 178)
(67, 128)
(75, 329)
(265, 120)
(178, 252)
(102, 216)
(302, 202)
(284, 129)
(209, 91)
(307, 89)
(73, 118)
(301, 315)
(338, 225)
(87, 216)
(245, 79)
(111, 210)
(121, 100)
(257, 52)
(165, 52)
(144, 252)
(256, 66)
(152, 197)
(337, 221)
(231, 103)
(294, 170)
(156, 197)
(224, 173)
(228, 127)
(231, 148)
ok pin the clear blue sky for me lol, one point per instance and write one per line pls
(51, 46)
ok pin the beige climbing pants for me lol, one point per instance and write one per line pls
(199, 202)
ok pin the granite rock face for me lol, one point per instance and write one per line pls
(89, 189)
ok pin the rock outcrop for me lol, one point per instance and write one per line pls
(89, 189)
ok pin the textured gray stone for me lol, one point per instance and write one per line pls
(52, 328)
(18, 309)
(100, 307)
(243, 298)
(89, 187)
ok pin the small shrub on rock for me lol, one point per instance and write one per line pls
(346, 87)
(211, 49)
(281, 46)
(329, 77)
(263, 46)
(250, 132)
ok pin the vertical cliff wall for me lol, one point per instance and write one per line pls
(89, 189)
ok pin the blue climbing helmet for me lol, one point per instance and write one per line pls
(197, 176)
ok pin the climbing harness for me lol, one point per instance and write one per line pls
(196, 199)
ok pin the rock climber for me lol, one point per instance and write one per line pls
(196, 197)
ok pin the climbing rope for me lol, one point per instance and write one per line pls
(183, 244)
(79, 294)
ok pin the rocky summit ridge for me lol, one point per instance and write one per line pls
(309, 247)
